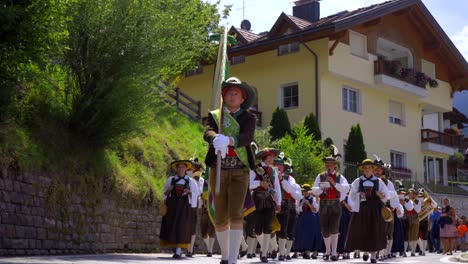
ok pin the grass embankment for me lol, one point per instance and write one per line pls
(132, 168)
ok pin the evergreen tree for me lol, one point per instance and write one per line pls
(355, 150)
(280, 125)
(327, 142)
(310, 122)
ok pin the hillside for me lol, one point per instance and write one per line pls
(137, 167)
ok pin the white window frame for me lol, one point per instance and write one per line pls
(282, 98)
(393, 154)
(238, 60)
(353, 35)
(347, 107)
(288, 48)
(396, 120)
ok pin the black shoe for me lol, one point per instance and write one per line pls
(314, 256)
(224, 262)
(294, 255)
(373, 261)
(274, 253)
(334, 258)
(412, 254)
(209, 254)
(326, 257)
(365, 257)
(264, 259)
(280, 258)
(404, 255)
(254, 255)
(356, 255)
(242, 253)
(249, 256)
(288, 257)
(306, 256)
(177, 256)
(189, 254)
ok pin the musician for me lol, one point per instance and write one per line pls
(381, 173)
(180, 195)
(368, 193)
(308, 237)
(427, 207)
(413, 220)
(264, 181)
(333, 188)
(287, 216)
(238, 128)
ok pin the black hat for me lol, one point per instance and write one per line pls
(333, 157)
(267, 151)
(249, 91)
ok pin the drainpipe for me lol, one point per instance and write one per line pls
(316, 80)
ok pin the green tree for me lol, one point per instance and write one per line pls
(355, 150)
(310, 122)
(119, 54)
(305, 153)
(280, 125)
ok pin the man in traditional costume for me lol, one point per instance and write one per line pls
(264, 181)
(180, 194)
(332, 190)
(428, 206)
(287, 217)
(238, 128)
(368, 193)
(413, 220)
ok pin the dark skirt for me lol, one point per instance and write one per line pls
(344, 223)
(175, 229)
(398, 234)
(367, 228)
(424, 229)
(308, 235)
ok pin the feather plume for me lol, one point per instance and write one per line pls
(255, 146)
(376, 157)
(281, 155)
(335, 151)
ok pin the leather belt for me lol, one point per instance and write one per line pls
(231, 162)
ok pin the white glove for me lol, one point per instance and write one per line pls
(221, 141)
(223, 150)
(316, 191)
(252, 174)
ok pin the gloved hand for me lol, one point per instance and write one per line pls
(223, 150)
(220, 141)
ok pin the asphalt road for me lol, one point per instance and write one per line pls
(199, 259)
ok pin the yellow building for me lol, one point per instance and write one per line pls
(372, 66)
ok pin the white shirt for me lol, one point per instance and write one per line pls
(418, 206)
(315, 204)
(342, 185)
(391, 191)
(181, 180)
(292, 188)
(354, 193)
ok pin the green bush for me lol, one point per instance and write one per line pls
(280, 125)
(305, 153)
(310, 122)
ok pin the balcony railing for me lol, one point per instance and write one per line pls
(395, 70)
(441, 138)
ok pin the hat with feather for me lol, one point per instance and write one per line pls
(334, 157)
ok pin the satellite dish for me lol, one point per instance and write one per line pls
(245, 24)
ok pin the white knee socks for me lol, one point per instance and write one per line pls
(334, 244)
(223, 240)
(192, 243)
(265, 244)
(282, 246)
(235, 236)
(327, 241)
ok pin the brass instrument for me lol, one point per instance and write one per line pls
(426, 208)
(386, 214)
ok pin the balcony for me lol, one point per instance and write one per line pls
(390, 75)
(440, 142)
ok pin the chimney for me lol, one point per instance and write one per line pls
(307, 9)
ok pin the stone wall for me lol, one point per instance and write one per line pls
(40, 216)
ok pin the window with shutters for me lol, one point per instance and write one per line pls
(428, 68)
(397, 159)
(358, 44)
(396, 113)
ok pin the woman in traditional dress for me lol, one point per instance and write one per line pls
(179, 194)
(308, 235)
(448, 230)
(367, 227)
